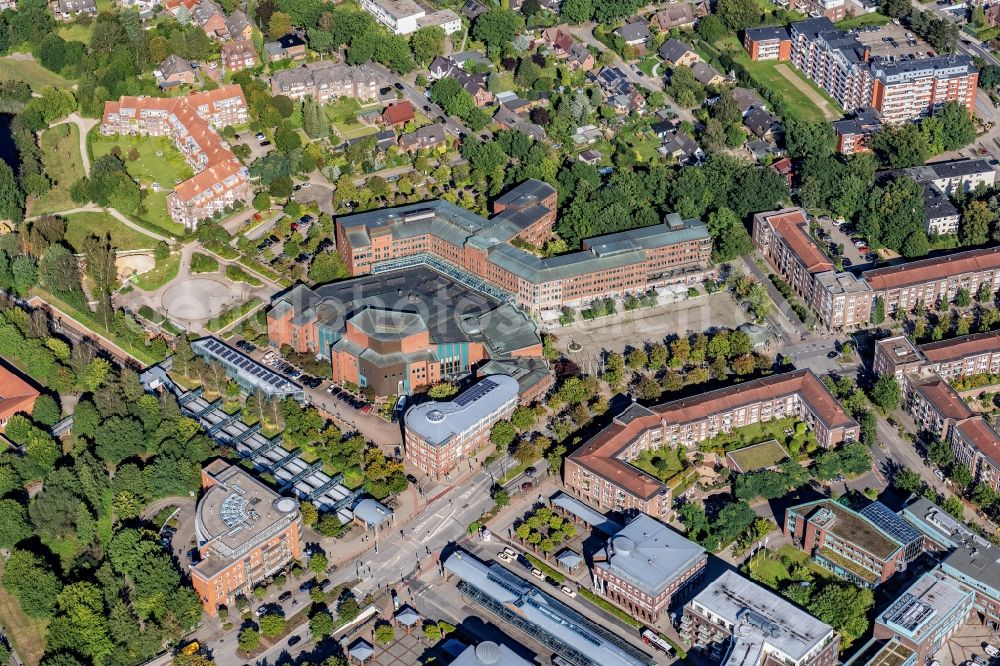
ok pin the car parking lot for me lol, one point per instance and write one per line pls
(854, 256)
(892, 42)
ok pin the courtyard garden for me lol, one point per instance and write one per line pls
(63, 165)
(758, 456)
(156, 164)
(790, 432)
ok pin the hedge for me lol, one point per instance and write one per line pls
(610, 607)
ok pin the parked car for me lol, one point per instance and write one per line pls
(285, 596)
(568, 591)
(260, 136)
(537, 573)
(294, 640)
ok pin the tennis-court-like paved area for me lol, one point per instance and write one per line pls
(404, 651)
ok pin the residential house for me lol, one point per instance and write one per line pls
(747, 99)
(174, 6)
(175, 71)
(635, 33)
(289, 47)
(681, 147)
(940, 214)
(706, 74)
(384, 140)
(993, 15)
(761, 123)
(238, 55)
(209, 15)
(591, 157)
(473, 9)
(558, 38)
(507, 118)
(680, 15)
(475, 57)
(69, 9)
(428, 137)
(398, 114)
(784, 168)
(586, 135)
(239, 25)
(327, 81)
(474, 84)
(676, 53)
(580, 57)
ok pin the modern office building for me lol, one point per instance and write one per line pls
(192, 122)
(437, 232)
(924, 616)
(245, 532)
(864, 547)
(975, 564)
(646, 567)
(437, 436)
(16, 396)
(397, 330)
(736, 622)
(250, 375)
(536, 614)
(600, 470)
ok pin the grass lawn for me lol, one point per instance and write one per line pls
(27, 633)
(343, 115)
(864, 19)
(756, 433)
(158, 162)
(63, 165)
(804, 99)
(648, 64)
(759, 456)
(203, 263)
(31, 73)
(663, 463)
(77, 32)
(768, 568)
(164, 272)
(81, 225)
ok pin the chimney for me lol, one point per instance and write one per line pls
(866, 54)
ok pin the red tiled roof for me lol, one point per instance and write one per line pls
(16, 395)
(967, 345)
(926, 270)
(401, 112)
(792, 225)
(944, 400)
(977, 432)
(600, 454)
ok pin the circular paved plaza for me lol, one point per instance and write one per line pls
(197, 298)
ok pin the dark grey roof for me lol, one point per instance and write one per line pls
(704, 72)
(673, 49)
(866, 121)
(528, 193)
(423, 136)
(747, 99)
(760, 121)
(174, 64)
(768, 32)
(238, 22)
(811, 28)
(936, 204)
(291, 40)
(959, 168)
(634, 31)
(472, 9)
(912, 69)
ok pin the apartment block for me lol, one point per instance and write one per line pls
(245, 533)
(403, 17)
(192, 122)
(600, 470)
(438, 436)
(854, 134)
(238, 55)
(898, 91)
(768, 43)
(864, 547)
(840, 299)
(326, 81)
(646, 567)
(733, 620)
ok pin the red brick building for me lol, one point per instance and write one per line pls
(245, 533)
(600, 470)
(437, 436)
(16, 396)
(768, 43)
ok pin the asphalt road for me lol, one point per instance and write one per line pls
(419, 101)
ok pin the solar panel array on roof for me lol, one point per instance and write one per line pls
(243, 363)
(909, 612)
(890, 523)
(476, 392)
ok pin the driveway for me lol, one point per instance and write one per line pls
(263, 229)
(419, 101)
(782, 318)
